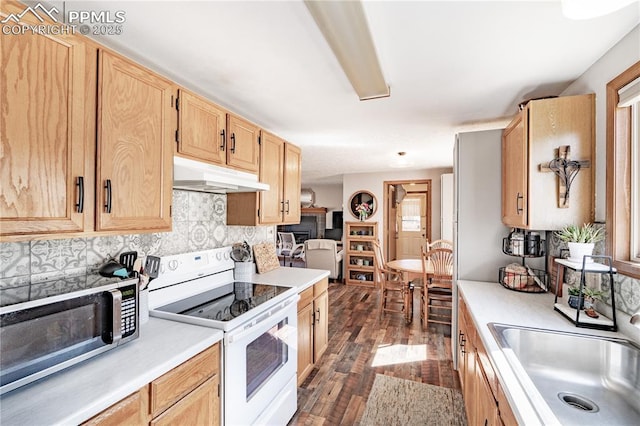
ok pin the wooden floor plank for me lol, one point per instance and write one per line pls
(337, 389)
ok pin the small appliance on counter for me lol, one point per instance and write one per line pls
(47, 326)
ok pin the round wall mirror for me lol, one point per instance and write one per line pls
(362, 204)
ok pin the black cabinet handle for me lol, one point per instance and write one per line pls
(233, 143)
(519, 198)
(318, 317)
(282, 208)
(287, 207)
(107, 187)
(224, 140)
(80, 186)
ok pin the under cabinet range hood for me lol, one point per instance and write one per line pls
(193, 175)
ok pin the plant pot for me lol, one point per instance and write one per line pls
(577, 251)
(575, 301)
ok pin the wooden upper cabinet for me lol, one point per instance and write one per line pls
(135, 153)
(533, 139)
(242, 144)
(514, 173)
(280, 167)
(272, 150)
(42, 153)
(292, 184)
(201, 129)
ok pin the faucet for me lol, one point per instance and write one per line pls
(635, 319)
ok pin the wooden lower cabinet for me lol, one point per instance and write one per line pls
(188, 394)
(305, 339)
(484, 399)
(199, 407)
(133, 410)
(313, 327)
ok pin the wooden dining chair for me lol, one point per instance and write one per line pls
(439, 244)
(393, 288)
(436, 301)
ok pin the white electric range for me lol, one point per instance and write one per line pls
(260, 331)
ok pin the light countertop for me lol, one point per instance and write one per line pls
(491, 302)
(301, 278)
(76, 394)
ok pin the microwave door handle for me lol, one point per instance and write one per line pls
(116, 305)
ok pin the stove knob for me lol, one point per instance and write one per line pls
(173, 264)
(226, 255)
(219, 256)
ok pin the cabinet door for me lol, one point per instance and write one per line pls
(514, 173)
(201, 129)
(462, 348)
(200, 407)
(486, 408)
(305, 341)
(292, 184)
(132, 410)
(470, 385)
(271, 172)
(42, 150)
(242, 148)
(321, 327)
(135, 154)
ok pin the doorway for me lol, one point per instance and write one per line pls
(408, 217)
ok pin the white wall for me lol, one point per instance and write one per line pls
(328, 196)
(374, 183)
(594, 80)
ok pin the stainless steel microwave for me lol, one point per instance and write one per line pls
(62, 323)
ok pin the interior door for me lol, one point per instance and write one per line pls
(411, 217)
(392, 230)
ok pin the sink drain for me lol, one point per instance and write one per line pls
(578, 402)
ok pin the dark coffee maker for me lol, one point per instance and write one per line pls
(532, 244)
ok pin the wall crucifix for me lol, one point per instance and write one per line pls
(566, 170)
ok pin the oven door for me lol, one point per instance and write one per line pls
(260, 368)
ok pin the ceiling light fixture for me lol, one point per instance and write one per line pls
(401, 160)
(344, 25)
(587, 9)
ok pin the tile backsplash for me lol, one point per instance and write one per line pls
(199, 223)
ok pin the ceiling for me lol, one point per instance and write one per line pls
(451, 65)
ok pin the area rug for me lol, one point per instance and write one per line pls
(401, 402)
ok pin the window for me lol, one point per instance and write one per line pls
(630, 97)
(623, 171)
(410, 208)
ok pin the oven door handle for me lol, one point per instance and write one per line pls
(277, 313)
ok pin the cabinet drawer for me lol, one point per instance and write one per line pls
(177, 383)
(130, 411)
(320, 287)
(306, 297)
(197, 408)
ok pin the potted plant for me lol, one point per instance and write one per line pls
(576, 300)
(585, 300)
(580, 240)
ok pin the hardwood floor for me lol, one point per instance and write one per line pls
(361, 344)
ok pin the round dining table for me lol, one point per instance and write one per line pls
(410, 269)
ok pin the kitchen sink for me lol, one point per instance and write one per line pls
(573, 378)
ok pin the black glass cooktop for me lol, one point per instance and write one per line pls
(226, 302)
